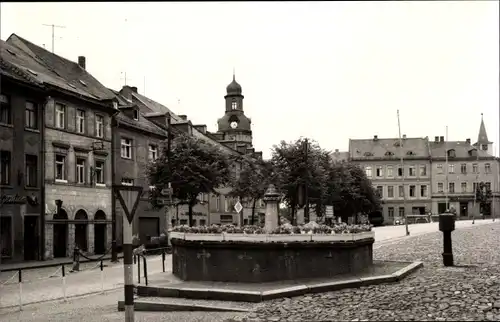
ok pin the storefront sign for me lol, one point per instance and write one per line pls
(12, 199)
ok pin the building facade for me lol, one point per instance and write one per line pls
(457, 167)
(77, 142)
(21, 155)
(404, 187)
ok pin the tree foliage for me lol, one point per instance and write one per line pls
(252, 181)
(195, 167)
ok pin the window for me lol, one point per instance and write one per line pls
(390, 192)
(413, 191)
(487, 168)
(380, 171)
(183, 221)
(411, 171)
(127, 182)
(475, 168)
(451, 153)
(463, 186)
(136, 115)
(484, 147)
(5, 109)
(80, 171)
(226, 219)
(400, 171)
(99, 172)
(423, 170)
(99, 126)
(463, 168)
(401, 211)
(390, 212)
(30, 118)
(153, 152)
(487, 185)
(380, 191)
(80, 121)
(440, 187)
(203, 222)
(234, 105)
(227, 205)
(217, 203)
(4, 167)
(451, 186)
(401, 191)
(60, 116)
(451, 168)
(390, 173)
(423, 191)
(440, 168)
(368, 171)
(31, 170)
(126, 148)
(60, 168)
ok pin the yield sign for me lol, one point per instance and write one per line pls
(129, 199)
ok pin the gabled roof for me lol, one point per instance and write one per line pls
(13, 62)
(58, 71)
(372, 149)
(462, 148)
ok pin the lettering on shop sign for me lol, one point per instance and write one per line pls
(12, 199)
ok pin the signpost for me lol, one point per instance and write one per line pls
(238, 207)
(128, 196)
(168, 203)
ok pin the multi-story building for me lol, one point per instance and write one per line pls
(457, 167)
(77, 145)
(21, 155)
(381, 160)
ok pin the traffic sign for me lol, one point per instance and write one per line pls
(129, 199)
(329, 211)
(166, 191)
(238, 207)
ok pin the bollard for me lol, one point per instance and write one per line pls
(138, 270)
(145, 269)
(163, 260)
(447, 225)
(20, 279)
(76, 259)
(102, 277)
(64, 282)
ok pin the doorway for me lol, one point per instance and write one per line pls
(81, 230)
(60, 231)
(99, 232)
(464, 209)
(31, 238)
(6, 237)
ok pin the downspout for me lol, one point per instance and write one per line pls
(114, 250)
(42, 181)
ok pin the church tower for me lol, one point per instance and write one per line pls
(235, 126)
(482, 139)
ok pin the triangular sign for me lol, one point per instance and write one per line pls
(129, 199)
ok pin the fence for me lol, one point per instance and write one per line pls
(35, 280)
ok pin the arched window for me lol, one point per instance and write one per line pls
(234, 105)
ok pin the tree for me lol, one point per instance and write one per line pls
(195, 167)
(483, 197)
(252, 181)
(295, 169)
(350, 191)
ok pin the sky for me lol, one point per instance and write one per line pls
(329, 71)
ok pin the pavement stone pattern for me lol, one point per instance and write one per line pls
(468, 292)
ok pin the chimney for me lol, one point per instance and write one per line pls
(81, 61)
(404, 136)
(375, 137)
(441, 138)
(467, 141)
(183, 117)
(134, 89)
(436, 139)
(202, 128)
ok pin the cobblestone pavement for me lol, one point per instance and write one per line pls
(102, 308)
(468, 292)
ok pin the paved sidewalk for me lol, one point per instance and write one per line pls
(77, 284)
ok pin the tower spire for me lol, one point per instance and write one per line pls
(234, 77)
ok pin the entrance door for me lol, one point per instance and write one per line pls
(99, 233)
(464, 209)
(60, 230)
(31, 237)
(6, 237)
(81, 230)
